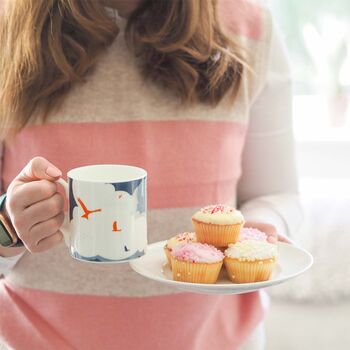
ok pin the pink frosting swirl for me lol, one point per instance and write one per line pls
(252, 233)
(197, 252)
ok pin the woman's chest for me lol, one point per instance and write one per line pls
(188, 162)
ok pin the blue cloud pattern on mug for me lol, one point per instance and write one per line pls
(110, 218)
(130, 187)
(72, 202)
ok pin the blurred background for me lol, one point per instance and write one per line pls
(313, 311)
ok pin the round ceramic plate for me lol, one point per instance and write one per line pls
(292, 261)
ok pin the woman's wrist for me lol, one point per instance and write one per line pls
(6, 252)
(10, 252)
(8, 234)
(4, 211)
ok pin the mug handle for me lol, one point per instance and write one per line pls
(65, 228)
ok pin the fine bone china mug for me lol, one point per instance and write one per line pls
(107, 214)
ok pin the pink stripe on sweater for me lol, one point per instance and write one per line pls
(182, 321)
(189, 163)
(241, 17)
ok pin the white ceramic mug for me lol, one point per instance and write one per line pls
(107, 216)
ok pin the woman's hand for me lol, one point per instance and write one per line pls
(35, 207)
(269, 230)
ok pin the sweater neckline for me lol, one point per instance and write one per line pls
(121, 21)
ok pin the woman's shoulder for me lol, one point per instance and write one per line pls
(250, 23)
(248, 19)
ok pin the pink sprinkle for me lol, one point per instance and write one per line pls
(185, 236)
(212, 209)
(218, 208)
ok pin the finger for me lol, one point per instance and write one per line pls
(43, 210)
(31, 193)
(39, 168)
(261, 226)
(47, 243)
(45, 229)
(272, 239)
(284, 239)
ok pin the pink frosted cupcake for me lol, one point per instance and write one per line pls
(218, 225)
(181, 238)
(196, 263)
(252, 233)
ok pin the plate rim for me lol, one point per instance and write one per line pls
(234, 287)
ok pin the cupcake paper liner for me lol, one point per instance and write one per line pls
(216, 235)
(195, 272)
(249, 271)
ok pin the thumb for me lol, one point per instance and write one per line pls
(39, 168)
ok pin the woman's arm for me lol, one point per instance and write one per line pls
(268, 189)
(8, 256)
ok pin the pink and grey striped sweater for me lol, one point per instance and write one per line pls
(194, 156)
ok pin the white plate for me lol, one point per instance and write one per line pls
(292, 261)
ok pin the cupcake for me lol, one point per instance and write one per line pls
(181, 238)
(196, 263)
(218, 225)
(252, 233)
(250, 261)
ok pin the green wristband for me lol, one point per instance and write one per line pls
(6, 238)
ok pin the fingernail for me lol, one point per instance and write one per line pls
(52, 171)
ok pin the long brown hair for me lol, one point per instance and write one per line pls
(46, 46)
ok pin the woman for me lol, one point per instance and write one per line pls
(169, 86)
